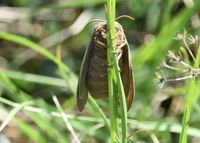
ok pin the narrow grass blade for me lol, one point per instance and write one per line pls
(12, 114)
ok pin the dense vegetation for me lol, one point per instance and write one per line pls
(42, 44)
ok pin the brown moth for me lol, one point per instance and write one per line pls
(93, 76)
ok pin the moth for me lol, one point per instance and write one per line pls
(93, 76)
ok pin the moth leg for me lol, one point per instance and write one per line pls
(122, 45)
(119, 56)
(118, 53)
(119, 50)
(100, 43)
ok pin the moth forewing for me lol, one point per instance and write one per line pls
(127, 76)
(82, 89)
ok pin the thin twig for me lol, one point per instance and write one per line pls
(185, 64)
(13, 112)
(178, 79)
(53, 114)
(187, 47)
(172, 68)
(151, 135)
(65, 119)
(154, 138)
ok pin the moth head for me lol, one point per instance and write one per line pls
(101, 30)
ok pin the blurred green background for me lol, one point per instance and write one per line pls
(60, 25)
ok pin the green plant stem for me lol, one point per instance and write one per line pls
(187, 113)
(114, 78)
(111, 45)
(97, 108)
(190, 100)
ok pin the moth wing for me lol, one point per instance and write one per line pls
(127, 76)
(82, 89)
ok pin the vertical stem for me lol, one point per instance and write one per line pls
(114, 78)
(191, 99)
(111, 44)
(187, 111)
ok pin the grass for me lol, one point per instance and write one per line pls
(111, 71)
(45, 122)
(190, 101)
(114, 80)
(44, 52)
